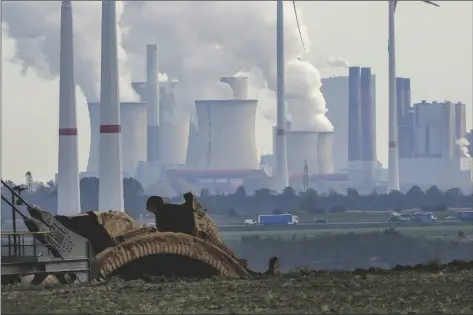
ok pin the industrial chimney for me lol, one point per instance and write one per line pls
(239, 86)
(68, 165)
(368, 127)
(152, 98)
(354, 116)
(110, 168)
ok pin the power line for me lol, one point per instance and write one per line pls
(298, 25)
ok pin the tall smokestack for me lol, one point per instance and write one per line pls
(152, 100)
(354, 114)
(68, 165)
(368, 127)
(280, 150)
(110, 165)
(393, 157)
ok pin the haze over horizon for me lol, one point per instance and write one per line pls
(434, 49)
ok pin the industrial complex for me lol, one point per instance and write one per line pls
(168, 153)
(219, 153)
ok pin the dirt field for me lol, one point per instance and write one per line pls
(446, 291)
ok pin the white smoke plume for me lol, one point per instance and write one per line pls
(34, 25)
(199, 42)
(305, 100)
(337, 62)
(463, 144)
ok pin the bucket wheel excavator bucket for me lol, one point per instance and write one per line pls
(184, 243)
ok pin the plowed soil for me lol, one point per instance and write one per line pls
(447, 291)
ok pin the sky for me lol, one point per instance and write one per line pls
(433, 47)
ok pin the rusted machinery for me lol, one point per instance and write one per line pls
(185, 242)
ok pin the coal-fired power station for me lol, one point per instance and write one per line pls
(155, 141)
(68, 165)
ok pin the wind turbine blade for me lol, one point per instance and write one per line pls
(431, 3)
(298, 25)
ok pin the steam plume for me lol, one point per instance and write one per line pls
(463, 144)
(35, 28)
(338, 62)
(305, 100)
(219, 38)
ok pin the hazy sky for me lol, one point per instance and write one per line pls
(434, 49)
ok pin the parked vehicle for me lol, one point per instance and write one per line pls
(466, 215)
(274, 219)
(250, 222)
(320, 221)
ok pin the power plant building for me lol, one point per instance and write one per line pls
(437, 158)
(351, 105)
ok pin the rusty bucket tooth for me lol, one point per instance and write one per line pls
(274, 268)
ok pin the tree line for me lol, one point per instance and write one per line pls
(262, 201)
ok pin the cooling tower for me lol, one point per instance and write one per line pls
(133, 132)
(226, 134)
(192, 156)
(140, 89)
(368, 127)
(110, 164)
(174, 127)
(354, 115)
(239, 86)
(68, 164)
(324, 152)
(152, 99)
(302, 146)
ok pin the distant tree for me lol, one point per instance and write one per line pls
(434, 194)
(288, 192)
(262, 193)
(453, 193)
(89, 194)
(415, 193)
(240, 192)
(332, 192)
(132, 195)
(132, 187)
(352, 193)
(395, 200)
